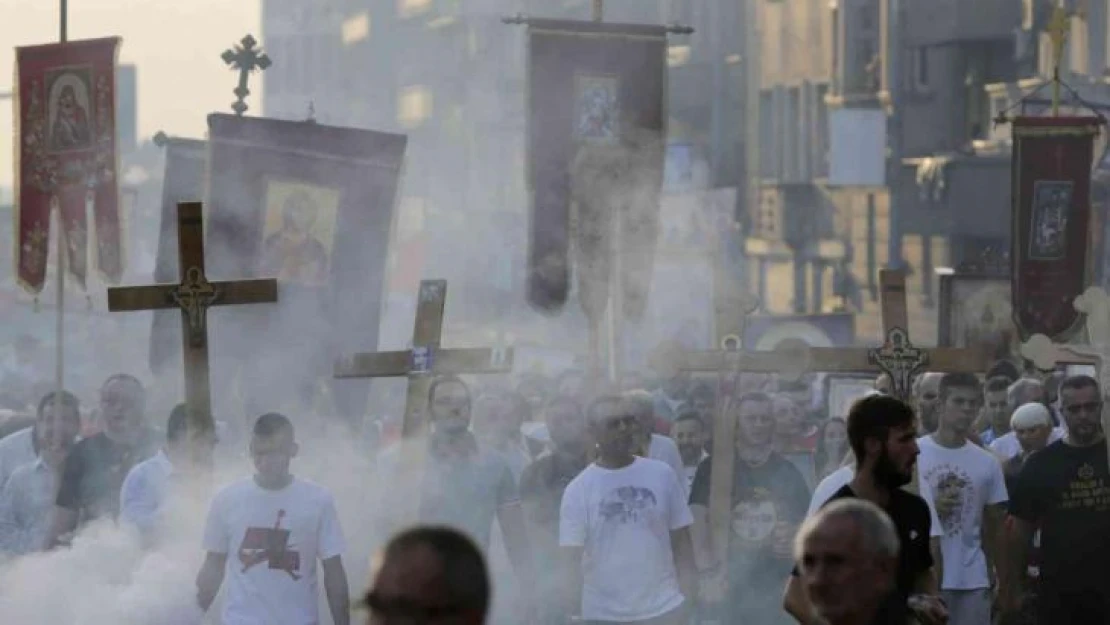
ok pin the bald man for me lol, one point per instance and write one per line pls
(926, 396)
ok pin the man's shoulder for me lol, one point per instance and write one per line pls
(23, 472)
(908, 503)
(16, 440)
(783, 467)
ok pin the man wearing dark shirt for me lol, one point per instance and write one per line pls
(95, 469)
(769, 501)
(882, 432)
(1064, 490)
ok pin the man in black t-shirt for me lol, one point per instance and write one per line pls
(769, 501)
(883, 435)
(95, 469)
(1064, 490)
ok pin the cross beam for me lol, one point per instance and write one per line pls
(193, 295)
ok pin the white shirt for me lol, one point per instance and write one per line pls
(143, 495)
(25, 505)
(665, 450)
(842, 477)
(273, 540)
(624, 518)
(1007, 445)
(971, 477)
(16, 449)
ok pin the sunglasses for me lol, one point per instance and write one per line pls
(403, 610)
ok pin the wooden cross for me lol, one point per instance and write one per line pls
(246, 58)
(1046, 355)
(193, 295)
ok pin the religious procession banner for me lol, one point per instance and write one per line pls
(311, 205)
(1051, 178)
(183, 182)
(65, 133)
(596, 142)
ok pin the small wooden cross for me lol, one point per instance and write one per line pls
(193, 295)
(246, 58)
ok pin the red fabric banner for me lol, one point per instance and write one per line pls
(66, 156)
(1051, 177)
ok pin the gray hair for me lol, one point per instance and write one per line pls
(639, 403)
(1015, 395)
(875, 529)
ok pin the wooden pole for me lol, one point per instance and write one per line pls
(599, 10)
(60, 267)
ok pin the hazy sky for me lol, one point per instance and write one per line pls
(176, 45)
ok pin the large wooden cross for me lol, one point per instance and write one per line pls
(1046, 355)
(193, 295)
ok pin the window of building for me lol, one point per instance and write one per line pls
(356, 29)
(412, 8)
(414, 106)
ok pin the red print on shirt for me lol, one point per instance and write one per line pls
(270, 545)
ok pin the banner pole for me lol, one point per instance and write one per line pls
(59, 267)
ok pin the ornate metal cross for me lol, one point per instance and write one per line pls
(194, 296)
(246, 58)
(899, 359)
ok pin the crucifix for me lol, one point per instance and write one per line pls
(1046, 355)
(193, 296)
(246, 58)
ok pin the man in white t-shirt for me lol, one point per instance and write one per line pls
(274, 526)
(964, 483)
(625, 528)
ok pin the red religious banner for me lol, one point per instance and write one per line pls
(66, 136)
(1051, 177)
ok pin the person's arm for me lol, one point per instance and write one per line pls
(925, 582)
(511, 519)
(572, 579)
(210, 578)
(138, 505)
(993, 517)
(15, 537)
(62, 523)
(67, 506)
(1014, 564)
(796, 603)
(337, 590)
(683, 548)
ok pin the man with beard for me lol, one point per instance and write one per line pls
(541, 492)
(689, 434)
(1064, 490)
(926, 391)
(769, 498)
(95, 469)
(882, 433)
(964, 483)
(624, 526)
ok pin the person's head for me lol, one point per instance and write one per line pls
(847, 556)
(1081, 404)
(883, 384)
(798, 391)
(57, 424)
(297, 214)
(429, 575)
(688, 433)
(273, 446)
(571, 383)
(832, 441)
(449, 404)
(883, 437)
(788, 416)
(702, 400)
(1032, 425)
(614, 429)
(996, 404)
(961, 397)
(926, 396)
(122, 407)
(566, 424)
(1003, 370)
(640, 404)
(67, 102)
(1024, 391)
(498, 416)
(755, 420)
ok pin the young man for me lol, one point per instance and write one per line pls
(964, 484)
(882, 433)
(1064, 490)
(28, 496)
(650, 444)
(688, 432)
(624, 524)
(996, 411)
(769, 498)
(429, 575)
(847, 555)
(274, 527)
(95, 470)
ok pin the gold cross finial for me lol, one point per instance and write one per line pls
(1057, 31)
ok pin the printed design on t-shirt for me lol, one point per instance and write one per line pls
(1086, 491)
(627, 504)
(754, 519)
(270, 545)
(952, 490)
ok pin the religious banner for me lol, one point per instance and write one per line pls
(596, 127)
(1051, 177)
(183, 182)
(65, 130)
(313, 206)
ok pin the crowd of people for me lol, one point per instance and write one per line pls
(983, 498)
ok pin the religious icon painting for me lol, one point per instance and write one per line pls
(299, 232)
(976, 311)
(1051, 208)
(68, 108)
(597, 108)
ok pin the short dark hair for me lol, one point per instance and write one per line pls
(65, 398)
(689, 415)
(997, 385)
(756, 396)
(178, 423)
(950, 381)
(873, 417)
(1078, 382)
(440, 380)
(464, 577)
(1004, 369)
(272, 424)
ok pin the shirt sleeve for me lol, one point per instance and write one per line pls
(680, 515)
(699, 492)
(217, 538)
(11, 534)
(572, 516)
(996, 490)
(69, 491)
(1026, 500)
(330, 538)
(138, 504)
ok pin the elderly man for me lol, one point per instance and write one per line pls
(847, 556)
(1024, 391)
(651, 445)
(1031, 426)
(926, 393)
